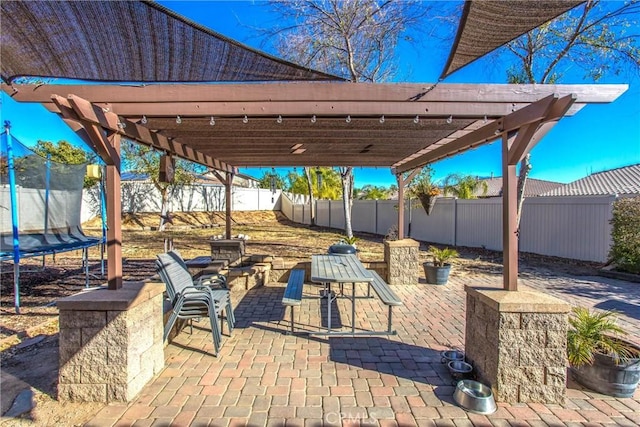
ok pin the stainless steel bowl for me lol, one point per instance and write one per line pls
(474, 397)
(459, 367)
(449, 355)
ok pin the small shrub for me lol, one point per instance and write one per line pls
(441, 256)
(625, 250)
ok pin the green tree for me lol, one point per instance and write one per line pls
(329, 187)
(371, 192)
(600, 37)
(356, 39)
(271, 177)
(143, 160)
(464, 186)
(65, 153)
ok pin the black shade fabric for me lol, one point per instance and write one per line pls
(127, 41)
(488, 25)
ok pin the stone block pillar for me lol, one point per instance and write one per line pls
(110, 342)
(401, 257)
(231, 250)
(516, 341)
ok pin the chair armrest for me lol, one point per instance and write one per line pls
(215, 280)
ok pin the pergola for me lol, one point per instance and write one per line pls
(276, 123)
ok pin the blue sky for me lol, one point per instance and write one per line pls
(599, 137)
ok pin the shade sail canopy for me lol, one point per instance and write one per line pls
(128, 41)
(488, 25)
(318, 124)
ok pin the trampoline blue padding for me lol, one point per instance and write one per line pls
(38, 244)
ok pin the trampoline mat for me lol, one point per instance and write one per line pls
(36, 244)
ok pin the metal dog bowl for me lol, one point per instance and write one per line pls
(450, 355)
(459, 370)
(474, 397)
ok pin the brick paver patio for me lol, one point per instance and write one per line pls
(264, 377)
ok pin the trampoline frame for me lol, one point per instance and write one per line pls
(79, 240)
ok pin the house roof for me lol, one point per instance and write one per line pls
(534, 187)
(620, 181)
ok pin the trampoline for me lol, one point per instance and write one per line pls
(40, 208)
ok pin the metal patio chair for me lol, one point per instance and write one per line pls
(191, 301)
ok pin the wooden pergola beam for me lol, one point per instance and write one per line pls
(110, 121)
(419, 93)
(323, 109)
(537, 112)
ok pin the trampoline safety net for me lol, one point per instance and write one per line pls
(49, 200)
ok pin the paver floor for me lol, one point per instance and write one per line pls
(264, 377)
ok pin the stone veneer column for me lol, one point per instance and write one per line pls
(110, 342)
(401, 257)
(516, 341)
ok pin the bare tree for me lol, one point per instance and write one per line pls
(602, 38)
(356, 39)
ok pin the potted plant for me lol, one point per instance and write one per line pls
(437, 272)
(425, 189)
(599, 357)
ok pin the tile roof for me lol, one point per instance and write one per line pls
(624, 180)
(534, 187)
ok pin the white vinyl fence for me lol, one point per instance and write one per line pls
(568, 227)
(143, 197)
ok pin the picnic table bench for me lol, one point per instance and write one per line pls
(293, 292)
(386, 295)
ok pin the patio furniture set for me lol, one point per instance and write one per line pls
(208, 296)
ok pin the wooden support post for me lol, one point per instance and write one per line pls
(114, 220)
(509, 217)
(402, 183)
(228, 196)
(400, 206)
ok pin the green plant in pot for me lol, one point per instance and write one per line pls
(599, 356)
(437, 271)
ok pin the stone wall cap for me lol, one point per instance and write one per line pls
(402, 243)
(524, 300)
(102, 299)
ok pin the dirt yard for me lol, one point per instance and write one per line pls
(29, 341)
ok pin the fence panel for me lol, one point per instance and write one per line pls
(387, 216)
(337, 214)
(323, 213)
(286, 206)
(437, 227)
(479, 223)
(363, 216)
(568, 227)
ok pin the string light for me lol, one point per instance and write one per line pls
(449, 119)
(313, 118)
(144, 120)
(212, 122)
(348, 119)
(382, 119)
(245, 119)
(416, 119)
(178, 120)
(279, 119)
